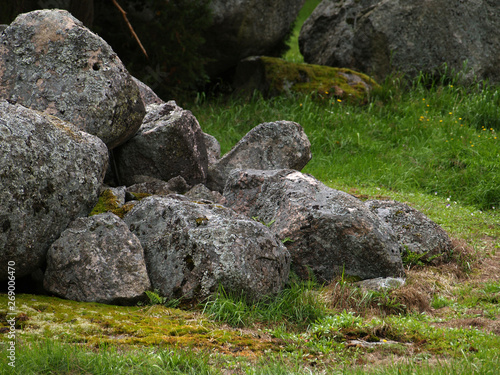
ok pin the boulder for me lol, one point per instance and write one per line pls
(414, 230)
(379, 37)
(273, 76)
(50, 62)
(97, 259)
(213, 148)
(243, 28)
(148, 96)
(201, 193)
(191, 248)
(271, 145)
(50, 174)
(168, 144)
(326, 231)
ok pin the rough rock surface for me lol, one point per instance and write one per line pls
(50, 173)
(377, 37)
(50, 62)
(97, 259)
(190, 248)
(201, 193)
(213, 148)
(414, 230)
(326, 230)
(243, 28)
(148, 96)
(271, 145)
(168, 144)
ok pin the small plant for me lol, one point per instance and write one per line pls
(155, 298)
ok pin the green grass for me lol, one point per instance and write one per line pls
(412, 140)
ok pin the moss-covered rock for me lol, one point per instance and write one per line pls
(274, 76)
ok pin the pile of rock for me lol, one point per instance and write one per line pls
(181, 219)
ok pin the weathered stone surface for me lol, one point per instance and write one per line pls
(378, 37)
(168, 144)
(50, 62)
(190, 248)
(50, 173)
(381, 283)
(326, 230)
(243, 28)
(159, 187)
(271, 145)
(274, 76)
(97, 259)
(201, 193)
(148, 96)
(213, 148)
(414, 230)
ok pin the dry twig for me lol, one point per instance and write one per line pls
(130, 27)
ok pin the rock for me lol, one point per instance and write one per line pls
(148, 96)
(191, 248)
(97, 259)
(201, 193)
(271, 145)
(213, 148)
(50, 174)
(159, 187)
(243, 28)
(381, 283)
(168, 144)
(379, 37)
(273, 76)
(414, 230)
(327, 231)
(50, 62)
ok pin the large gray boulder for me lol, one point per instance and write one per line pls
(327, 231)
(271, 145)
(414, 230)
(243, 28)
(378, 37)
(50, 174)
(169, 143)
(50, 62)
(191, 248)
(97, 259)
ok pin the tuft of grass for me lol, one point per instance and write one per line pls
(299, 305)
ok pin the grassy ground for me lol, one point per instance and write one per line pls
(430, 144)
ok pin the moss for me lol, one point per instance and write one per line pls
(109, 203)
(323, 82)
(94, 324)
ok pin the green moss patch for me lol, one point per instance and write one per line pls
(108, 202)
(274, 76)
(96, 324)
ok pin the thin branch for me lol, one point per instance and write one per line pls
(130, 27)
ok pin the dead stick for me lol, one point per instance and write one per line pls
(130, 27)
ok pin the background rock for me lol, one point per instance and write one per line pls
(50, 174)
(169, 144)
(273, 76)
(414, 230)
(190, 248)
(327, 231)
(50, 62)
(97, 259)
(271, 145)
(378, 37)
(243, 28)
